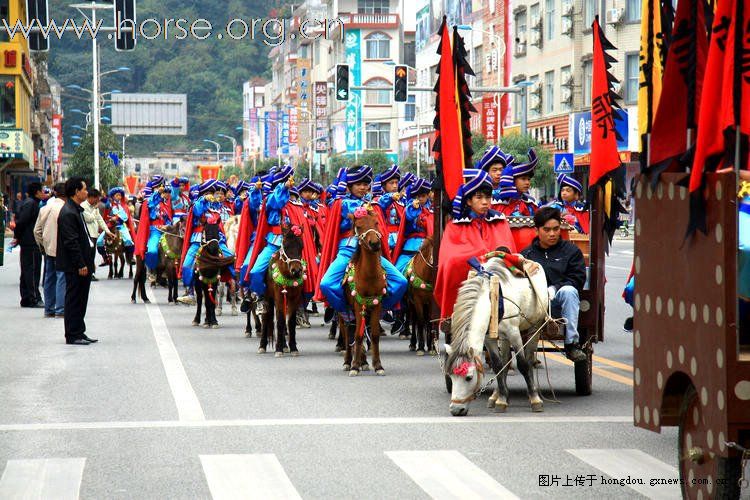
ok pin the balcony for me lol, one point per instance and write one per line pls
(382, 21)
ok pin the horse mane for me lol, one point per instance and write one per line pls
(466, 300)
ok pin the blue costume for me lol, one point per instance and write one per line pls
(160, 214)
(331, 283)
(254, 201)
(414, 230)
(392, 208)
(122, 212)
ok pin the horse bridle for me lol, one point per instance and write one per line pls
(362, 236)
(285, 258)
(428, 262)
(471, 397)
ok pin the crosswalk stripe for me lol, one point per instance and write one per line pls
(247, 476)
(624, 463)
(447, 474)
(58, 478)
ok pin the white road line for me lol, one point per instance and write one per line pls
(188, 406)
(624, 463)
(233, 477)
(447, 474)
(302, 422)
(58, 478)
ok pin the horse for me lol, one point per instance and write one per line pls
(526, 304)
(116, 250)
(170, 248)
(284, 282)
(420, 273)
(365, 286)
(231, 229)
(139, 281)
(209, 264)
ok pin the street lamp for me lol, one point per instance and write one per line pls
(524, 85)
(217, 147)
(234, 142)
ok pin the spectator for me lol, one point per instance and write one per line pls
(94, 220)
(75, 256)
(31, 258)
(45, 234)
(565, 270)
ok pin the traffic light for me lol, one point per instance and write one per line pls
(37, 10)
(124, 25)
(342, 82)
(400, 84)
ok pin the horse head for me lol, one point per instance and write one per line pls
(367, 228)
(211, 238)
(290, 253)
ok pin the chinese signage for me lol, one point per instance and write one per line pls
(490, 118)
(581, 128)
(284, 133)
(15, 143)
(352, 44)
(321, 140)
(321, 100)
(293, 127)
(57, 142)
(271, 135)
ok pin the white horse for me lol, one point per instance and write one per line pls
(526, 305)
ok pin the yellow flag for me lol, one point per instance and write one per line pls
(651, 67)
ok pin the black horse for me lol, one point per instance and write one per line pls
(209, 264)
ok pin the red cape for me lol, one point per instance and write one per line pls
(130, 224)
(309, 252)
(247, 228)
(316, 222)
(461, 242)
(582, 217)
(333, 238)
(144, 228)
(426, 220)
(186, 239)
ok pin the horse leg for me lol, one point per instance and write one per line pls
(292, 325)
(501, 402)
(344, 336)
(342, 341)
(140, 266)
(129, 259)
(375, 333)
(135, 289)
(233, 292)
(198, 303)
(281, 346)
(525, 367)
(111, 271)
(353, 331)
(219, 294)
(429, 327)
(258, 325)
(266, 330)
(332, 329)
(211, 309)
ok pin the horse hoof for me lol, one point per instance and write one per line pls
(420, 353)
(132, 301)
(279, 354)
(215, 326)
(432, 352)
(196, 323)
(501, 407)
(146, 301)
(261, 350)
(286, 350)
(403, 337)
(412, 348)
(258, 334)
(365, 368)
(380, 372)
(537, 407)
(347, 368)
(234, 311)
(205, 325)
(338, 349)
(248, 335)
(295, 354)
(353, 373)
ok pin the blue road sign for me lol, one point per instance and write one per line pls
(564, 163)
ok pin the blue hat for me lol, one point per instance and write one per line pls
(305, 184)
(332, 192)
(526, 168)
(419, 186)
(377, 187)
(112, 192)
(208, 186)
(221, 186)
(566, 180)
(390, 173)
(156, 180)
(147, 191)
(507, 186)
(405, 180)
(282, 175)
(473, 180)
(195, 191)
(318, 188)
(362, 174)
(491, 156)
(241, 186)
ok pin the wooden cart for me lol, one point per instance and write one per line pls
(692, 363)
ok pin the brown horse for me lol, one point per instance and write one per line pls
(116, 250)
(364, 288)
(170, 248)
(420, 273)
(209, 264)
(284, 283)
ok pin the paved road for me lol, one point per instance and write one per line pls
(161, 409)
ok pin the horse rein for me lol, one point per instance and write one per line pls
(428, 262)
(362, 236)
(285, 258)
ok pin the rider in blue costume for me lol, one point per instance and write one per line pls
(205, 210)
(180, 198)
(160, 215)
(416, 215)
(357, 180)
(254, 201)
(119, 216)
(390, 202)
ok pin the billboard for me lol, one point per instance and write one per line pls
(580, 127)
(149, 114)
(353, 47)
(57, 139)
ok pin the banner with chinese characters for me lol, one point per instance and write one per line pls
(293, 127)
(57, 139)
(352, 45)
(284, 133)
(321, 140)
(271, 135)
(490, 118)
(321, 100)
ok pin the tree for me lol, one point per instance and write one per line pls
(81, 163)
(378, 160)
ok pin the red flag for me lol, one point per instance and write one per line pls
(604, 155)
(677, 111)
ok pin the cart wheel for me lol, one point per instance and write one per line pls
(702, 473)
(583, 374)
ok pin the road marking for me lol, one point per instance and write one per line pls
(303, 422)
(625, 252)
(247, 476)
(447, 474)
(624, 463)
(188, 406)
(595, 369)
(58, 478)
(599, 359)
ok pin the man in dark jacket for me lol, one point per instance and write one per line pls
(31, 258)
(75, 257)
(565, 270)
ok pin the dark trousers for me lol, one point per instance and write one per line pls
(31, 271)
(76, 300)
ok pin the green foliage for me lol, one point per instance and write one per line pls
(81, 164)
(340, 161)
(229, 170)
(376, 159)
(518, 145)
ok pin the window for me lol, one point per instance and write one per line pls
(588, 14)
(8, 101)
(372, 6)
(549, 92)
(534, 15)
(378, 46)
(534, 97)
(549, 19)
(379, 97)
(587, 74)
(5, 14)
(410, 108)
(633, 11)
(520, 22)
(378, 135)
(410, 56)
(138, 167)
(566, 90)
(631, 78)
